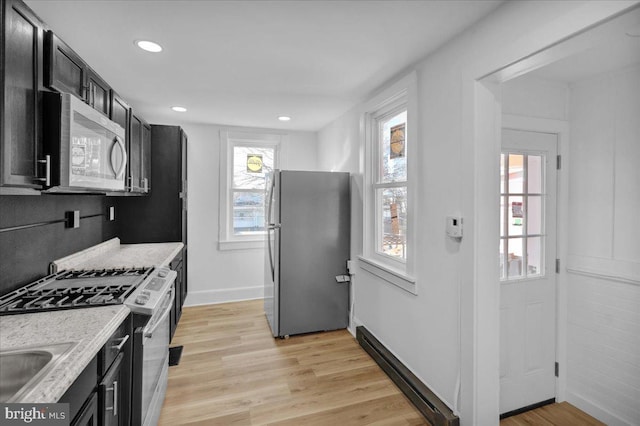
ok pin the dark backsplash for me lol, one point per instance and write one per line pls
(26, 250)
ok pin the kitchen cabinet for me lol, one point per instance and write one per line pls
(65, 71)
(161, 216)
(139, 166)
(98, 95)
(114, 366)
(101, 395)
(110, 393)
(120, 113)
(89, 414)
(21, 72)
(178, 264)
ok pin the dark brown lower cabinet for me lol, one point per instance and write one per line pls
(101, 395)
(89, 414)
(110, 393)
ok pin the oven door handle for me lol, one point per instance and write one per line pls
(149, 334)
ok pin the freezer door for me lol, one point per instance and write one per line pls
(314, 249)
(271, 264)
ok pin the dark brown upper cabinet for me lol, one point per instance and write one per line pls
(139, 155)
(21, 165)
(98, 95)
(67, 72)
(120, 113)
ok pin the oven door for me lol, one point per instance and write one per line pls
(153, 344)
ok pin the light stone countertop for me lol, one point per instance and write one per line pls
(90, 328)
(112, 254)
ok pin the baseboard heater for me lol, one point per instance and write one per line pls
(431, 407)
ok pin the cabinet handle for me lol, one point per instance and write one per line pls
(120, 345)
(114, 407)
(47, 170)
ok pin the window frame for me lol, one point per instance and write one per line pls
(228, 240)
(398, 97)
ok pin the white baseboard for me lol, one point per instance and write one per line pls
(595, 410)
(211, 297)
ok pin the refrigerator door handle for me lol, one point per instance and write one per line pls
(273, 272)
(271, 226)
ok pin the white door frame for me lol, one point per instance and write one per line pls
(481, 121)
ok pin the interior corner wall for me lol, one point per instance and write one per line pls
(603, 318)
(217, 276)
(423, 331)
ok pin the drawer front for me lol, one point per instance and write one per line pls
(118, 342)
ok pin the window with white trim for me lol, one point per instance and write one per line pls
(388, 247)
(246, 160)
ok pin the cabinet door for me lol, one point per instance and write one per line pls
(89, 414)
(65, 70)
(135, 153)
(120, 113)
(98, 92)
(20, 139)
(110, 393)
(146, 158)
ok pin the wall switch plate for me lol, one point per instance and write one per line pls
(72, 219)
(111, 216)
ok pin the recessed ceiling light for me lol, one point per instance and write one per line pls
(179, 109)
(284, 118)
(149, 46)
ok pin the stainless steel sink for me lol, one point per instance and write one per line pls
(22, 369)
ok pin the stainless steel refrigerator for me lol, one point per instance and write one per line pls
(307, 248)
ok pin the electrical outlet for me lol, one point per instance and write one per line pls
(111, 216)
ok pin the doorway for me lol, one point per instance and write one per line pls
(528, 186)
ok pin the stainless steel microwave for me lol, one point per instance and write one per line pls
(85, 149)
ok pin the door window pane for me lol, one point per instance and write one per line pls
(516, 215)
(392, 204)
(534, 174)
(516, 173)
(514, 258)
(534, 215)
(534, 256)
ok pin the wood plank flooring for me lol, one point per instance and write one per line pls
(234, 373)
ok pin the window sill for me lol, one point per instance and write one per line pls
(392, 276)
(240, 245)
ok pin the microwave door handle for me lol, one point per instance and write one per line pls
(149, 334)
(118, 142)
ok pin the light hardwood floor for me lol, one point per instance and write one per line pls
(233, 372)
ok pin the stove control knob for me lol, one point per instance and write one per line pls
(162, 273)
(141, 300)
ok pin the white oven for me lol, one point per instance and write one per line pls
(151, 305)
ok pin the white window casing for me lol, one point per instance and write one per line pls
(400, 96)
(227, 239)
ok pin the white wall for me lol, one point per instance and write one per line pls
(423, 330)
(531, 96)
(603, 319)
(217, 276)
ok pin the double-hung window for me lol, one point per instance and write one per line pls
(246, 161)
(388, 246)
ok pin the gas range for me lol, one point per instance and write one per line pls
(78, 289)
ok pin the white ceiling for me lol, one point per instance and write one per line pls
(246, 62)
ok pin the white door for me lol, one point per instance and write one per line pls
(527, 268)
